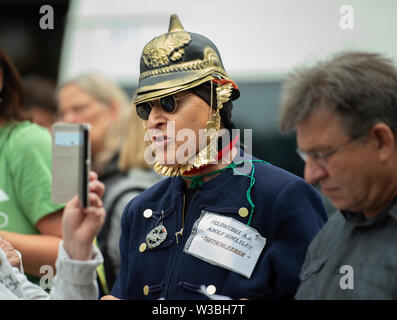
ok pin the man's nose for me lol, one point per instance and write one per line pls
(313, 171)
(156, 118)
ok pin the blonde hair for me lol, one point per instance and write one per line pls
(106, 91)
(134, 146)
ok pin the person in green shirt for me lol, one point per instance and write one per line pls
(29, 220)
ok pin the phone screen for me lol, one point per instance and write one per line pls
(70, 162)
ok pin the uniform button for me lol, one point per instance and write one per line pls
(243, 212)
(211, 289)
(146, 290)
(147, 213)
(142, 247)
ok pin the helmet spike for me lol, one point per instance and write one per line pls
(175, 24)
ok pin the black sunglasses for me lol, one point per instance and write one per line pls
(168, 103)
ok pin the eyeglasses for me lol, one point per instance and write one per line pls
(168, 104)
(321, 157)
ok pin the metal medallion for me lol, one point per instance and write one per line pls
(156, 236)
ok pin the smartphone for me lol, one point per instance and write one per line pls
(71, 162)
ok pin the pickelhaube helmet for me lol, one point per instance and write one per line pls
(177, 61)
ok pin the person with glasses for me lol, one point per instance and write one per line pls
(344, 111)
(222, 223)
(96, 99)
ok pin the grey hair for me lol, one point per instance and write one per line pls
(361, 87)
(106, 91)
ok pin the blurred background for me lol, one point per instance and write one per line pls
(260, 42)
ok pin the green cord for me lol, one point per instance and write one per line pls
(197, 181)
(252, 182)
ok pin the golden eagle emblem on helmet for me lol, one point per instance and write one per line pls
(166, 48)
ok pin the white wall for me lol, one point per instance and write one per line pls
(258, 39)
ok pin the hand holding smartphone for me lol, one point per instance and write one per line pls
(71, 162)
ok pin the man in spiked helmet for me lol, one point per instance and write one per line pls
(209, 229)
(172, 65)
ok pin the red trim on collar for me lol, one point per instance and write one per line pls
(220, 155)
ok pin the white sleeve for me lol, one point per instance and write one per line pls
(15, 285)
(76, 280)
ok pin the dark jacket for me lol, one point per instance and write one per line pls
(288, 213)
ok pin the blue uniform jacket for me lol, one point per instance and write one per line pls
(288, 213)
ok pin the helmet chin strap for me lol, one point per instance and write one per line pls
(219, 157)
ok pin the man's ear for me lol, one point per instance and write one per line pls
(385, 141)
